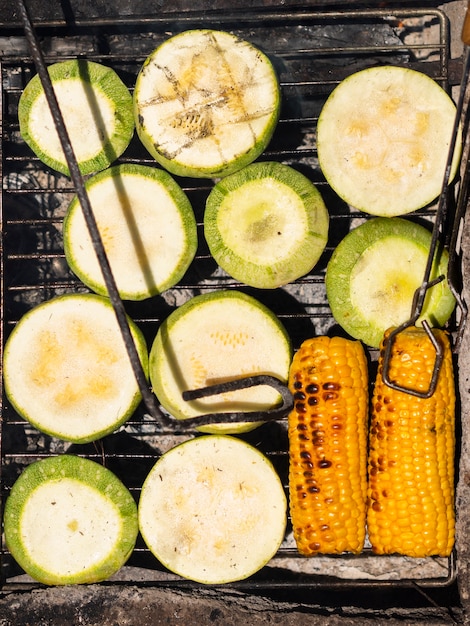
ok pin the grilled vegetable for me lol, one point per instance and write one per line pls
(266, 225)
(97, 110)
(411, 458)
(70, 520)
(66, 369)
(383, 138)
(206, 103)
(212, 338)
(213, 509)
(374, 272)
(327, 446)
(147, 226)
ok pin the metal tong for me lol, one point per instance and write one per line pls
(77, 179)
(148, 397)
(453, 273)
(287, 401)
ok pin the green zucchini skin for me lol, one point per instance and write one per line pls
(388, 277)
(148, 214)
(54, 470)
(218, 336)
(96, 79)
(48, 368)
(221, 509)
(266, 225)
(192, 129)
(383, 137)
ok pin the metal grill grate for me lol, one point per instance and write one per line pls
(312, 51)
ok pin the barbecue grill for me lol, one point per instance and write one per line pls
(313, 47)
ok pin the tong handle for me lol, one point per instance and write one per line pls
(466, 27)
(38, 57)
(275, 413)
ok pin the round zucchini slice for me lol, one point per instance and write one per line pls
(97, 110)
(66, 369)
(147, 227)
(374, 272)
(69, 520)
(383, 139)
(213, 510)
(206, 103)
(212, 338)
(266, 225)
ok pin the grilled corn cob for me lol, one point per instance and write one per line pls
(327, 446)
(411, 451)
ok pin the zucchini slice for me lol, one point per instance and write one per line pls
(69, 520)
(212, 338)
(213, 510)
(374, 272)
(147, 226)
(206, 103)
(97, 110)
(66, 369)
(266, 225)
(383, 139)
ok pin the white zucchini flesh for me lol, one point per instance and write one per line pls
(66, 369)
(266, 225)
(213, 510)
(97, 110)
(147, 226)
(213, 338)
(206, 103)
(374, 272)
(74, 527)
(383, 139)
(70, 520)
(390, 262)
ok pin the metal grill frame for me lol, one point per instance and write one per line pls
(16, 68)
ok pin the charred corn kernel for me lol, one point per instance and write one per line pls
(327, 446)
(411, 451)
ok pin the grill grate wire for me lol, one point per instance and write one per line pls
(328, 47)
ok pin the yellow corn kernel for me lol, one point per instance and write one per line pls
(327, 446)
(411, 451)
